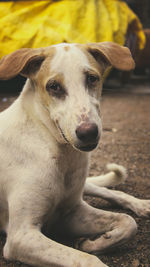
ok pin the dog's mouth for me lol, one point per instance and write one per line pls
(87, 148)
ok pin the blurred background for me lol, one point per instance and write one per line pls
(54, 21)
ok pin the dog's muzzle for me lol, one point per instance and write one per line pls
(88, 136)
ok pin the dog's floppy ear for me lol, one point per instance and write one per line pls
(25, 61)
(112, 54)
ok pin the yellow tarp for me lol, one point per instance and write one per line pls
(42, 23)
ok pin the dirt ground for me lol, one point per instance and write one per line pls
(126, 141)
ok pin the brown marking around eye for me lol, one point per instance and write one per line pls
(55, 86)
(59, 78)
(41, 77)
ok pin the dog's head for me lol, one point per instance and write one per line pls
(67, 80)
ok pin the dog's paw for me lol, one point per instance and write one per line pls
(92, 246)
(86, 245)
(141, 207)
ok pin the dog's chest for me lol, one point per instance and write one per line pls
(67, 183)
(72, 167)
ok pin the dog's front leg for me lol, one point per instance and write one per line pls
(140, 206)
(30, 246)
(99, 229)
(27, 244)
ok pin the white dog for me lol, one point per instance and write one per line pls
(44, 139)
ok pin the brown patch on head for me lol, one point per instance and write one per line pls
(45, 78)
(44, 72)
(41, 77)
(67, 48)
(93, 63)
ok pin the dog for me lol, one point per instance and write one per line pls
(46, 137)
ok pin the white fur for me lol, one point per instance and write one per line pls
(43, 172)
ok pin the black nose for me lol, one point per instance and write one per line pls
(87, 132)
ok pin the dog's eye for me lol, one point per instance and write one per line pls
(92, 79)
(55, 88)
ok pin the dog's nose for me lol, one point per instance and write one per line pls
(87, 132)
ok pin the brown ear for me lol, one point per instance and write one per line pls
(24, 61)
(112, 54)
